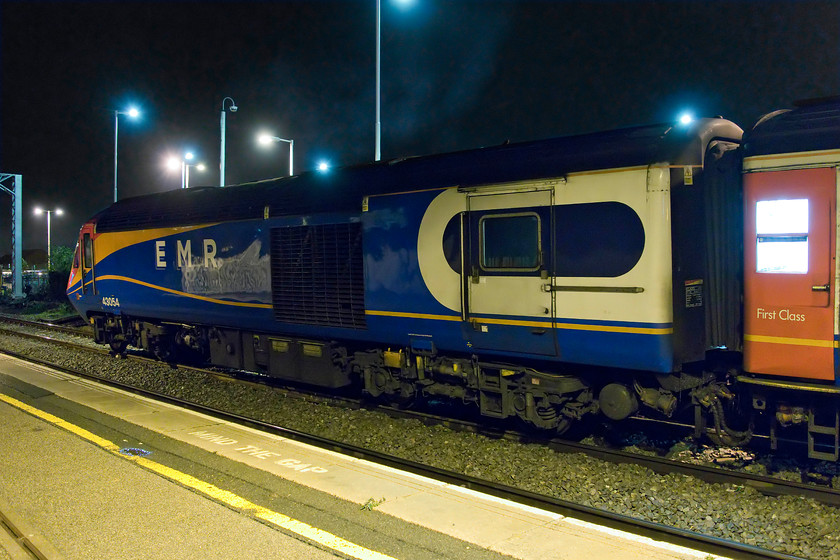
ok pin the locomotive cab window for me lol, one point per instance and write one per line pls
(87, 261)
(76, 257)
(781, 228)
(510, 242)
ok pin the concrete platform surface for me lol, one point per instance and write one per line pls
(101, 473)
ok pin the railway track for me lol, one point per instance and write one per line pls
(713, 545)
(73, 325)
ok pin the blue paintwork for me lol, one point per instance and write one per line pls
(393, 283)
(392, 272)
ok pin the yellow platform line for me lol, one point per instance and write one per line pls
(817, 343)
(308, 532)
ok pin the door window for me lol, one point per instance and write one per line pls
(510, 242)
(782, 236)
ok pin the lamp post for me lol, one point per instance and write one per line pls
(58, 212)
(199, 166)
(377, 151)
(174, 163)
(233, 109)
(133, 113)
(266, 139)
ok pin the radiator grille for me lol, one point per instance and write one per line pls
(317, 275)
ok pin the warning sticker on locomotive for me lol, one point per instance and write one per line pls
(688, 175)
(694, 293)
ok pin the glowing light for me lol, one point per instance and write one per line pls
(188, 156)
(133, 112)
(323, 166)
(686, 118)
(265, 139)
(200, 167)
(173, 163)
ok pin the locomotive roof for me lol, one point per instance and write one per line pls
(812, 125)
(342, 189)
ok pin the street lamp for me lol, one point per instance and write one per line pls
(233, 109)
(198, 166)
(266, 139)
(58, 212)
(132, 113)
(377, 151)
(174, 163)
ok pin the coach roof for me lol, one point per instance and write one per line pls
(813, 125)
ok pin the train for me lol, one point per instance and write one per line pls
(666, 271)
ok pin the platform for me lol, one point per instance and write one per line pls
(95, 472)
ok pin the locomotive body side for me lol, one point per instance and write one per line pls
(615, 293)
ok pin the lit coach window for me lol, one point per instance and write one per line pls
(782, 236)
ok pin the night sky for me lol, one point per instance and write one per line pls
(455, 75)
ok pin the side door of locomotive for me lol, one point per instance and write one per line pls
(87, 260)
(508, 269)
(789, 272)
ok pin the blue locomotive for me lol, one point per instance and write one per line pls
(545, 280)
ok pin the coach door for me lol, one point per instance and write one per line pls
(789, 258)
(86, 248)
(507, 277)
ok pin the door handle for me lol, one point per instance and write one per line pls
(821, 288)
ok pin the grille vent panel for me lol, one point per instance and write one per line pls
(317, 275)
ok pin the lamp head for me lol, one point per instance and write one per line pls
(233, 108)
(686, 119)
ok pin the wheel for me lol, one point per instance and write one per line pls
(118, 346)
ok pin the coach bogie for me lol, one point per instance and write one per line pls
(798, 411)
